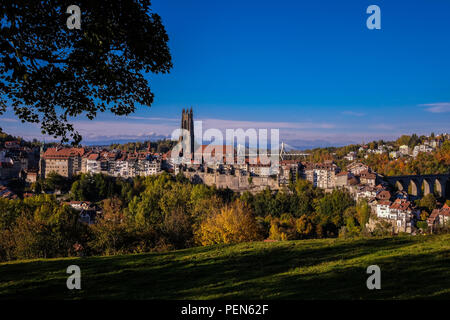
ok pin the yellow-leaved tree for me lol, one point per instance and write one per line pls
(231, 224)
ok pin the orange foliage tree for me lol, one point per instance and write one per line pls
(232, 224)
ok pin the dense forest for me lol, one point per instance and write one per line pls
(165, 212)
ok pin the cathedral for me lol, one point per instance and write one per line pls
(187, 123)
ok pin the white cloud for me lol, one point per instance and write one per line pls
(109, 130)
(383, 126)
(152, 118)
(8, 120)
(440, 107)
(119, 130)
(235, 124)
(298, 134)
(353, 113)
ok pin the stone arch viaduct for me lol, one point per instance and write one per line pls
(432, 183)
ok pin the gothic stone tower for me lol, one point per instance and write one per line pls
(187, 123)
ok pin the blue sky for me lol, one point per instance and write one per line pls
(310, 68)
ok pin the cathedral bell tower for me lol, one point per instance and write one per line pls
(187, 123)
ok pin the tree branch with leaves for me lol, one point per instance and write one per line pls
(50, 74)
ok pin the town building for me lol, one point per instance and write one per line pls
(400, 213)
(63, 161)
(404, 150)
(6, 193)
(187, 125)
(422, 148)
(394, 154)
(351, 156)
(439, 218)
(356, 168)
(93, 163)
(289, 171)
(367, 178)
(87, 210)
(365, 192)
(31, 175)
(345, 178)
(122, 164)
(322, 175)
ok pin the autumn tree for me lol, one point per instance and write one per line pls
(39, 227)
(351, 227)
(177, 229)
(305, 195)
(362, 212)
(233, 224)
(111, 234)
(330, 212)
(304, 226)
(428, 203)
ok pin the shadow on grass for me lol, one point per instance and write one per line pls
(286, 270)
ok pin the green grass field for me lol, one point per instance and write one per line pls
(411, 268)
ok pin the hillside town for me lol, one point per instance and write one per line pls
(394, 204)
(317, 167)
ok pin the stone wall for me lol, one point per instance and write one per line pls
(394, 229)
(235, 183)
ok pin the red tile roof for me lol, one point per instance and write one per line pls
(384, 195)
(93, 156)
(63, 153)
(367, 175)
(401, 204)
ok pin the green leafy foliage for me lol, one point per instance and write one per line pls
(427, 203)
(50, 74)
(166, 212)
(38, 227)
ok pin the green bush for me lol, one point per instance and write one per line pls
(423, 225)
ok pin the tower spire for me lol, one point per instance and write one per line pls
(187, 123)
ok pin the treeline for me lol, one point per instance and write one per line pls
(4, 137)
(437, 162)
(425, 163)
(414, 140)
(39, 227)
(165, 212)
(159, 146)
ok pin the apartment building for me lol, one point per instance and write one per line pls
(439, 217)
(400, 212)
(64, 161)
(322, 175)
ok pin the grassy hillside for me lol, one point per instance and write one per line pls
(411, 267)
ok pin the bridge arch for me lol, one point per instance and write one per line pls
(414, 187)
(400, 186)
(445, 188)
(428, 186)
(418, 185)
(438, 188)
